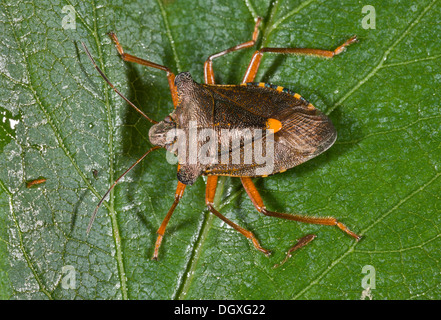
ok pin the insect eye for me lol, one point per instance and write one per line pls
(168, 119)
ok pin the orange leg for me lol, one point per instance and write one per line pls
(131, 58)
(252, 192)
(209, 197)
(178, 195)
(208, 66)
(253, 67)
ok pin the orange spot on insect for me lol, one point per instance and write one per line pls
(297, 96)
(279, 88)
(273, 124)
(310, 106)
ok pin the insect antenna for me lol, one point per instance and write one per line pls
(92, 219)
(113, 87)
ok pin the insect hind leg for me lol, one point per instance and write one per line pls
(254, 195)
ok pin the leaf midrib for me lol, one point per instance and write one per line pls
(114, 220)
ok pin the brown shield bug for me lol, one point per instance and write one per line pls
(288, 129)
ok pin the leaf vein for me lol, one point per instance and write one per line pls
(380, 65)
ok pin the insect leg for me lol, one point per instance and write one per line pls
(254, 195)
(300, 244)
(131, 58)
(209, 197)
(178, 195)
(208, 66)
(253, 67)
(113, 87)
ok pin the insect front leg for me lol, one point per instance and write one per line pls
(254, 195)
(178, 195)
(209, 197)
(132, 58)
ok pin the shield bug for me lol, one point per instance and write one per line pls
(237, 120)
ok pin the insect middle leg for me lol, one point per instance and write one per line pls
(178, 195)
(208, 66)
(253, 67)
(209, 198)
(254, 195)
(132, 58)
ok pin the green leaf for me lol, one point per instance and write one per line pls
(61, 121)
